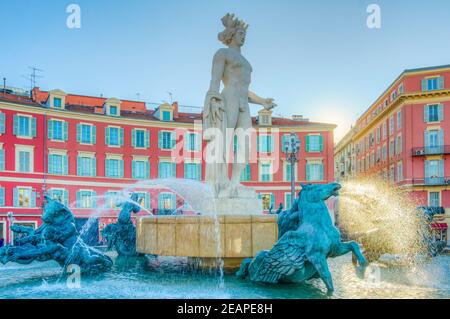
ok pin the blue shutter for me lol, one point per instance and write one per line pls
(147, 139)
(121, 168)
(307, 143)
(78, 165)
(2, 160)
(441, 83)
(133, 169)
(258, 142)
(107, 171)
(66, 131)
(272, 200)
(78, 203)
(94, 134)
(65, 165)
(133, 137)
(50, 129)
(94, 166)
(440, 112)
(2, 123)
(121, 136)
(160, 139)
(50, 164)
(283, 140)
(424, 85)
(173, 169)
(33, 127)
(172, 139)
(66, 198)
(147, 200)
(441, 168)
(94, 199)
(271, 143)
(320, 143)
(78, 133)
(15, 197)
(2, 196)
(16, 125)
(147, 169)
(199, 171)
(173, 201)
(33, 199)
(426, 112)
(107, 135)
(321, 172)
(308, 172)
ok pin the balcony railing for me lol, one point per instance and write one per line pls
(431, 150)
(434, 180)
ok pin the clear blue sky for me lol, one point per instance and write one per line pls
(316, 58)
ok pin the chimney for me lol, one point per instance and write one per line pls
(35, 94)
(175, 110)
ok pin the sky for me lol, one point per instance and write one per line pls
(315, 58)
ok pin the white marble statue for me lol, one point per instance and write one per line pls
(229, 110)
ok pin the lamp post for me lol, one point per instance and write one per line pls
(11, 220)
(292, 147)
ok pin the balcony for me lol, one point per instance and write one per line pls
(432, 181)
(431, 150)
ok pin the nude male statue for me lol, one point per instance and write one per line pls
(230, 108)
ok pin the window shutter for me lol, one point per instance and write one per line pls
(321, 172)
(441, 168)
(2, 123)
(159, 170)
(426, 115)
(272, 200)
(107, 135)
(173, 201)
(284, 138)
(33, 199)
(172, 139)
(78, 133)
(199, 172)
(66, 198)
(160, 139)
(147, 139)
(2, 196)
(65, 165)
(15, 197)
(441, 139)
(147, 169)
(424, 85)
(320, 143)
(440, 112)
(107, 167)
(147, 200)
(78, 203)
(173, 170)
(33, 127)
(271, 143)
(50, 129)
(66, 131)
(308, 172)
(426, 140)
(121, 136)
(16, 125)
(258, 142)
(94, 134)
(133, 138)
(78, 165)
(2, 160)
(94, 166)
(441, 83)
(133, 169)
(427, 170)
(307, 143)
(121, 168)
(50, 164)
(94, 199)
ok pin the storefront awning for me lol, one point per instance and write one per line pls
(441, 226)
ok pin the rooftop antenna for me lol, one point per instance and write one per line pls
(4, 85)
(33, 76)
(171, 97)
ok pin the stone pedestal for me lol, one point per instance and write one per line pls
(231, 237)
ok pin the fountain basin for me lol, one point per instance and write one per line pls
(206, 238)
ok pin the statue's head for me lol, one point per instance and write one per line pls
(55, 212)
(319, 192)
(235, 31)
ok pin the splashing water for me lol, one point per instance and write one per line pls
(381, 216)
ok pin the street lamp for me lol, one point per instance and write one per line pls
(11, 219)
(292, 147)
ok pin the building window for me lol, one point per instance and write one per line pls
(24, 126)
(86, 199)
(24, 197)
(58, 130)
(141, 169)
(268, 200)
(434, 172)
(60, 195)
(57, 164)
(193, 171)
(314, 171)
(112, 199)
(399, 146)
(391, 125)
(384, 152)
(2, 198)
(2, 123)
(392, 174)
(393, 95)
(140, 138)
(166, 116)
(287, 172)
(2, 159)
(246, 173)
(265, 143)
(434, 113)
(114, 168)
(166, 170)
(314, 143)
(86, 166)
(143, 199)
(391, 149)
(166, 201)
(434, 83)
(24, 161)
(57, 102)
(401, 88)
(287, 201)
(434, 141)
(192, 141)
(86, 134)
(434, 199)
(166, 140)
(384, 130)
(266, 172)
(114, 136)
(399, 120)
(399, 171)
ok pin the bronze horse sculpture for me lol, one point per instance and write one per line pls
(308, 238)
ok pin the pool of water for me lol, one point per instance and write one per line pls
(170, 278)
